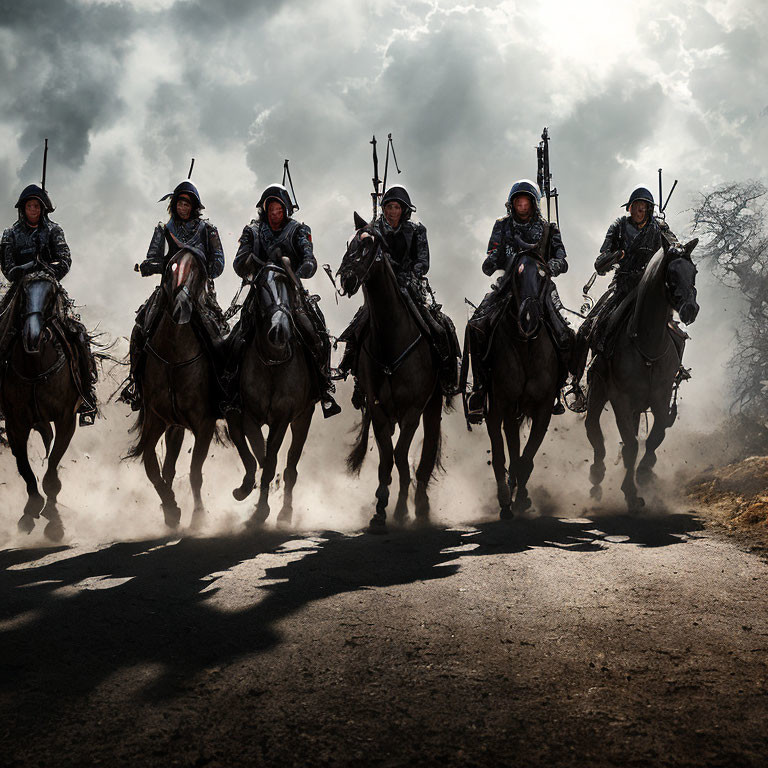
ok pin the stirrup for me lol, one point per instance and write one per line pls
(338, 374)
(87, 418)
(558, 409)
(475, 409)
(329, 407)
(683, 374)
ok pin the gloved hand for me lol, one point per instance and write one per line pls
(306, 269)
(150, 267)
(489, 266)
(605, 261)
(17, 272)
(556, 267)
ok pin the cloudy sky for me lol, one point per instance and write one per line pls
(128, 92)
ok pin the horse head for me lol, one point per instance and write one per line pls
(681, 283)
(39, 292)
(274, 295)
(362, 252)
(528, 282)
(183, 281)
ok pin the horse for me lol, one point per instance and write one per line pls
(278, 388)
(40, 387)
(178, 385)
(524, 378)
(399, 374)
(640, 375)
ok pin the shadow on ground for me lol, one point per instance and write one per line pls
(61, 637)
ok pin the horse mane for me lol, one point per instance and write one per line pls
(653, 272)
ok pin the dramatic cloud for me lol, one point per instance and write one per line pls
(128, 92)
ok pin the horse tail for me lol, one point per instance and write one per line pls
(360, 449)
(137, 449)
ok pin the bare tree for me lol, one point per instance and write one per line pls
(732, 221)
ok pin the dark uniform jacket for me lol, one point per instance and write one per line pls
(293, 240)
(407, 246)
(510, 236)
(196, 233)
(638, 244)
(43, 244)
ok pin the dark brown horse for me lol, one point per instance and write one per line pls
(178, 385)
(640, 374)
(398, 372)
(277, 389)
(523, 381)
(39, 387)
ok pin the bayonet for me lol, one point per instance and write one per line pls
(287, 175)
(45, 164)
(390, 144)
(544, 176)
(376, 181)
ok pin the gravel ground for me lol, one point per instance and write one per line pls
(546, 641)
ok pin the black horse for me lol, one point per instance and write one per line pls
(398, 371)
(178, 385)
(640, 374)
(278, 388)
(40, 387)
(524, 377)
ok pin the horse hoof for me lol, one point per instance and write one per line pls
(378, 524)
(284, 519)
(241, 493)
(506, 512)
(54, 531)
(596, 492)
(34, 506)
(646, 477)
(172, 515)
(400, 515)
(198, 518)
(636, 504)
(522, 504)
(26, 523)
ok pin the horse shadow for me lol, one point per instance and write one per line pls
(68, 625)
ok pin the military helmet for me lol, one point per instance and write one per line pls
(279, 194)
(186, 187)
(38, 193)
(524, 187)
(398, 194)
(640, 193)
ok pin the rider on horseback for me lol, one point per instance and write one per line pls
(184, 230)
(629, 245)
(36, 244)
(522, 230)
(274, 234)
(408, 252)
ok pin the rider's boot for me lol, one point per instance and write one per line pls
(130, 393)
(476, 402)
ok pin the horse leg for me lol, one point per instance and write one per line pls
(17, 440)
(596, 400)
(430, 452)
(174, 437)
(65, 428)
(299, 432)
(237, 433)
(199, 453)
(625, 421)
(539, 426)
(274, 441)
(154, 429)
(255, 439)
(382, 431)
(645, 473)
(408, 428)
(498, 460)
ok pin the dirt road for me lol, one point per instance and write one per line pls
(545, 641)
